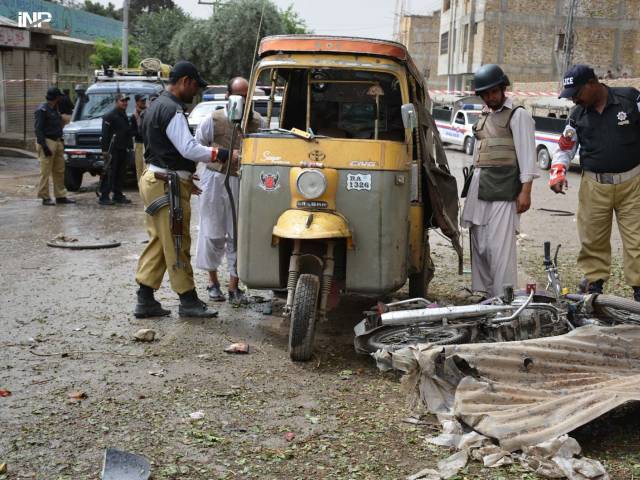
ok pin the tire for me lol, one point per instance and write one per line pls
(303, 318)
(469, 144)
(73, 178)
(617, 303)
(544, 159)
(394, 338)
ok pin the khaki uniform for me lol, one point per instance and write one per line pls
(51, 166)
(139, 151)
(159, 254)
(597, 202)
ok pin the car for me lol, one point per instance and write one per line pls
(201, 111)
(455, 122)
(83, 135)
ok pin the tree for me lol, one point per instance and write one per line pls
(293, 24)
(111, 54)
(106, 11)
(154, 32)
(224, 45)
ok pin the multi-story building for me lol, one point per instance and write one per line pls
(421, 34)
(527, 38)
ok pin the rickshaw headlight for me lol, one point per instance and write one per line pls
(311, 184)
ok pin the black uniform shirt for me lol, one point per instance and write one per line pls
(48, 124)
(610, 141)
(116, 123)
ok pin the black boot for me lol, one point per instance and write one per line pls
(148, 306)
(192, 306)
(636, 294)
(596, 286)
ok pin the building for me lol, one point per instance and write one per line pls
(32, 58)
(527, 38)
(421, 35)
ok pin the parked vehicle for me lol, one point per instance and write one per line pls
(337, 195)
(551, 118)
(201, 111)
(455, 122)
(82, 136)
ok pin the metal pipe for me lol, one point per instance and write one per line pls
(518, 311)
(327, 278)
(408, 317)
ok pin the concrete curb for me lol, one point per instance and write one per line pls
(16, 152)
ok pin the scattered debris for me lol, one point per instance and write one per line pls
(3, 468)
(145, 335)
(77, 396)
(289, 436)
(196, 415)
(4, 392)
(237, 348)
(119, 465)
(474, 385)
(158, 373)
(556, 213)
(79, 328)
(345, 374)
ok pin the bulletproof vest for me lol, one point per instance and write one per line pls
(610, 141)
(159, 150)
(497, 158)
(222, 130)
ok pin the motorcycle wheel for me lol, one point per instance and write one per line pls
(394, 338)
(622, 310)
(303, 318)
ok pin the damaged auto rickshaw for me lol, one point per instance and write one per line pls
(338, 195)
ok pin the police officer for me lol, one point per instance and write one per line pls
(117, 141)
(170, 149)
(49, 146)
(136, 122)
(605, 124)
(499, 189)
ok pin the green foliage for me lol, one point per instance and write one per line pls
(154, 32)
(96, 7)
(224, 45)
(293, 23)
(111, 54)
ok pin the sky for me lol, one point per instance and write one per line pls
(360, 18)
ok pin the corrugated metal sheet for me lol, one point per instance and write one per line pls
(526, 393)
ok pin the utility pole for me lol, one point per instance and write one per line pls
(125, 34)
(214, 4)
(569, 35)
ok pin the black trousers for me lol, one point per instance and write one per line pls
(113, 179)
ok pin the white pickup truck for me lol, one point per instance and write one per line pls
(455, 125)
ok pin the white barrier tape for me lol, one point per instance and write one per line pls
(516, 93)
(20, 80)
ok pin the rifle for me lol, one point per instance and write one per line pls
(176, 215)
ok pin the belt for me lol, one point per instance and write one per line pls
(613, 178)
(55, 139)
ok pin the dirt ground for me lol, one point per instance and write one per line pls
(66, 328)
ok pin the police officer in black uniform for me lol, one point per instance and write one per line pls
(49, 146)
(117, 142)
(170, 152)
(605, 124)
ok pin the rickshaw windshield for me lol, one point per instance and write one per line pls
(336, 103)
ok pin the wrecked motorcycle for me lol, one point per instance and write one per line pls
(514, 316)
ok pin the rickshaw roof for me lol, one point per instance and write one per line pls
(340, 45)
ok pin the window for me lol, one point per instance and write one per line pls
(444, 43)
(460, 118)
(475, 28)
(446, 5)
(560, 39)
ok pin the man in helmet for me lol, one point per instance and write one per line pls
(605, 124)
(499, 187)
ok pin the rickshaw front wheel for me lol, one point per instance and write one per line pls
(303, 317)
